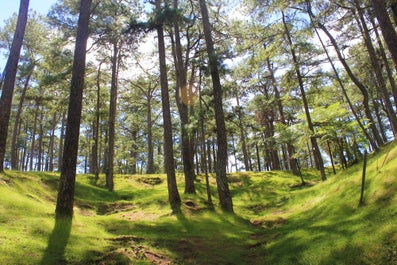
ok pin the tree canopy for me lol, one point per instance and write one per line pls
(198, 87)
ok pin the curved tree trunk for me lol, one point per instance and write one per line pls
(316, 150)
(221, 158)
(369, 138)
(10, 76)
(368, 113)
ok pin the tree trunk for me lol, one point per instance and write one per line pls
(377, 69)
(357, 118)
(10, 76)
(183, 101)
(112, 118)
(65, 200)
(173, 194)
(33, 144)
(385, 62)
(133, 152)
(222, 156)
(40, 145)
(94, 167)
(293, 163)
(14, 147)
(61, 141)
(368, 113)
(150, 160)
(242, 134)
(204, 152)
(315, 149)
(52, 143)
(386, 26)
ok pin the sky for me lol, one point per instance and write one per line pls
(9, 7)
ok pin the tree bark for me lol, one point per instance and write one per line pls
(183, 101)
(315, 149)
(242, 134)
(33, 144)
(357, 118)
(61, 140)
(385, 61)
(112, 118)
(52, 143)
(377, 69)
(368, 113)
(94, 166)
(10, 76)
(290, 148)
(65, 200)
(386, 26)
(14, 147)
(173, 194)
(225, 197)
(150, 160)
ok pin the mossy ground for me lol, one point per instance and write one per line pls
(276, 220)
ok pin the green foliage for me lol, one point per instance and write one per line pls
(277, 220)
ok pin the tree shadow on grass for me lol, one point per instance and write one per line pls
(55, 252)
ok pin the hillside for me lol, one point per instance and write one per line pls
(276, 220)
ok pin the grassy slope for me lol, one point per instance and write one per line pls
(276, 221)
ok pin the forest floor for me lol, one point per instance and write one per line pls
(276, 220)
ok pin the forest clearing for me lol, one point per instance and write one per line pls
(198, 132)
(276, 220)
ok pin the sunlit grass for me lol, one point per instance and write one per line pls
(276, 220)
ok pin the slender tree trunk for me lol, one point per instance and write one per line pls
(65, 200)
(133, 152)
(290, 148)
(183, 100)
(385, 62)
(242, 134)
(222, 156)
(357, 118)
(368, 113)
(61, 141)
(112, 118)
(94, 168)
(14, 147)
(377, 69)
(258, 157)
(33, 144)
(150, 161)
(40, 145)
(386, 26)
(52, 143)
(10, 76)
(204, 152)
(393, 7)
(315, 149)
(173, 194)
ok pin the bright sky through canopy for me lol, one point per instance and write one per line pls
(8, 8)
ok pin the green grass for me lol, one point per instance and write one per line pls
(276, 220)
